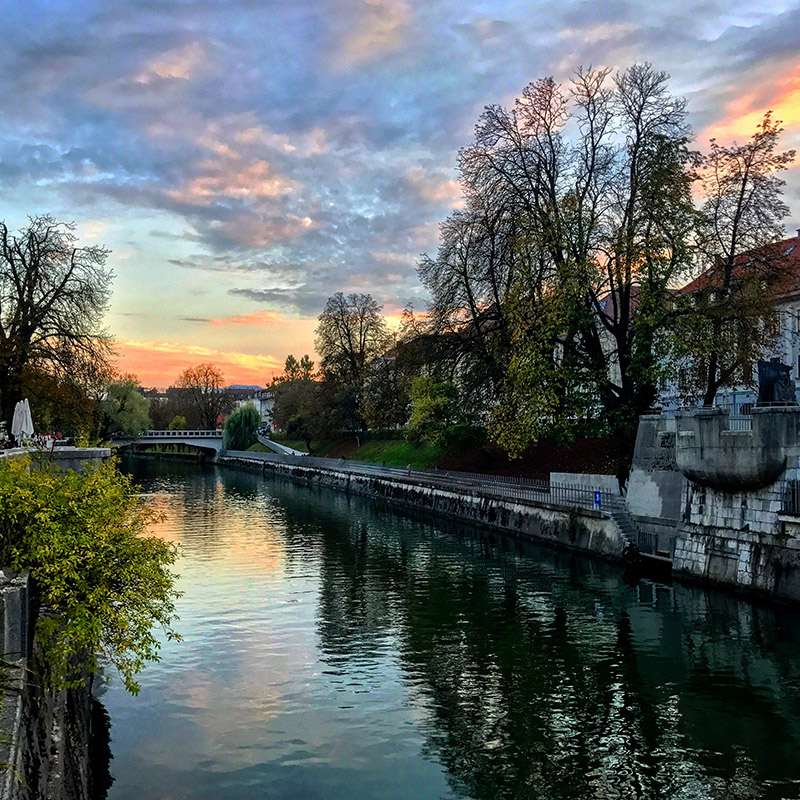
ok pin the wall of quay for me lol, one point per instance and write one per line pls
(46, 733)
(582, 529)
(717, 489)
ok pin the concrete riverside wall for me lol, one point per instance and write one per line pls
(654, 486)
(74, 458)
(584, 530)
(45, 733)
(720, 494)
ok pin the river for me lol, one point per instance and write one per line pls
(334, 648)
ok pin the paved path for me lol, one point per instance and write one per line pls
(279, 448)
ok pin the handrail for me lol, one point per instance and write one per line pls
(182, 434)
(477, 484)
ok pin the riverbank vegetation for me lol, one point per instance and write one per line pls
(103, 585)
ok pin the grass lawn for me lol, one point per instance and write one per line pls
(258, 448)
(398, 454)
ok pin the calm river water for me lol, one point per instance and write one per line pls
(336, 649)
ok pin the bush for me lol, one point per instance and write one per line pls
(241, 427)
(434, 409)
(178, 423)
(104, 585)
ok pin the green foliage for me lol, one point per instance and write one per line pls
(462, 436)
(385, 400)
(434, 408)
(178, 423)
(124, 408)
(294, 370)
(399, 454)
(299, 409)
(102, 583)
(258, 448)
(241, 427)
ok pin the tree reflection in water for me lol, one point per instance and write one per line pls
(535, 689)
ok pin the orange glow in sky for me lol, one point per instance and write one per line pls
(746, 112)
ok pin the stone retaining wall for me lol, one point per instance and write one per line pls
(45, 733)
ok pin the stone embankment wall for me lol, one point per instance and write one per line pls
(46, 733)
(719, 495)
(584, 530)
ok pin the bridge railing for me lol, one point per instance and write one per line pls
(182, 434)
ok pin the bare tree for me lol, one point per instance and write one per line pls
(202, 388)
(556, 276)
(53, 296)
(351, 332)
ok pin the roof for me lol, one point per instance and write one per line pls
(783, 255)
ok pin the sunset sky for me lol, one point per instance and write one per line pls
(244, 159)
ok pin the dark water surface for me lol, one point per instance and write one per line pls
(336, 649)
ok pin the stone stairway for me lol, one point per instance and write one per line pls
(627, 527)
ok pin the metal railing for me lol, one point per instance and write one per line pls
(740, 422)
(526, 490)
(182, 434)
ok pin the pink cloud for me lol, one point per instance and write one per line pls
(224, 179)
(780, 94)
(181, 64)
(435, 189)
(257, 318)
(381, 27)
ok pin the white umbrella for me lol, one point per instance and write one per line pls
(27, 423)
(22, 424)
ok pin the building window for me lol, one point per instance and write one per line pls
(773, 324)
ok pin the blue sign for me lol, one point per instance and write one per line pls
(597, 498)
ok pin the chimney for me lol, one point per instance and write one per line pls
(798, 233)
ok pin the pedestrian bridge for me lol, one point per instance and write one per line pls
(210, 441)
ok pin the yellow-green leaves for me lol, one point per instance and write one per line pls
(102, 582)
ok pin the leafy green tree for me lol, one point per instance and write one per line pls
(385, 398)
(178, 423)
(434, 409)
(124, 408)
(103, 583)
(294, 370)
(300, 411)
(241, 427)
(306, 366)
(291, 368)
(351, 334)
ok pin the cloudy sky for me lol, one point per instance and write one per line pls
(244, 159)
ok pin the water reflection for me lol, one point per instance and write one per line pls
(336, 649)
